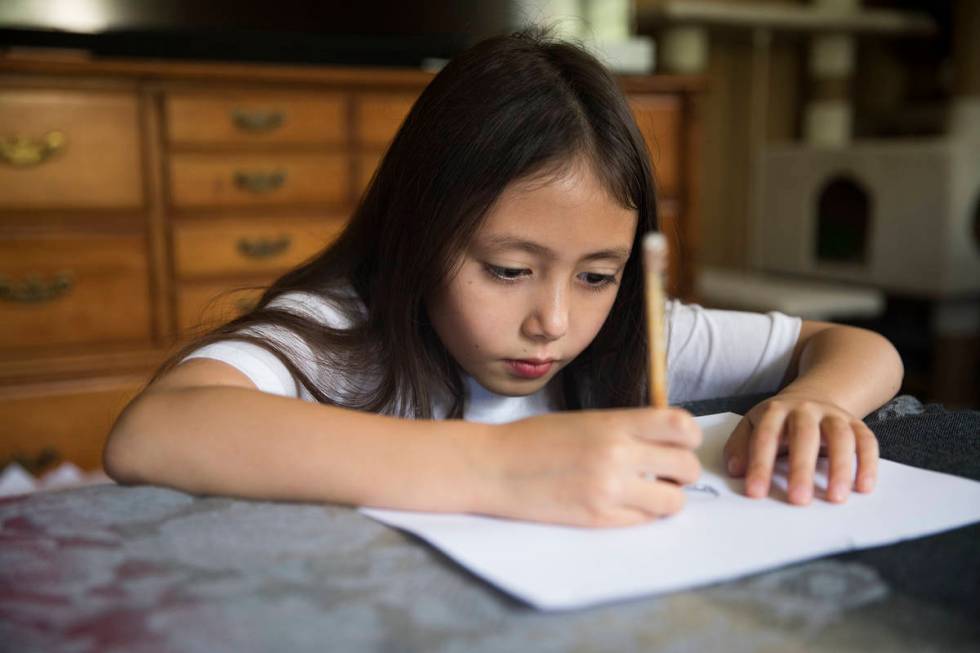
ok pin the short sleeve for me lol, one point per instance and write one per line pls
(257, 363)
(264, 368)
(714, 353)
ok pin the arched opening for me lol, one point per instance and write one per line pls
(843, 222)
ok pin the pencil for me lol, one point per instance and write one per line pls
(654, 265)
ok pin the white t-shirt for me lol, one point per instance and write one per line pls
(710, 353)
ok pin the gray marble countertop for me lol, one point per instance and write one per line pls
(109, 568)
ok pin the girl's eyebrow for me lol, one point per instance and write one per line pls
(512, 242)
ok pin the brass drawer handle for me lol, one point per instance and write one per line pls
(260, 182)
(24, 152)
(35, 291)
(257, 122)
(263, 247)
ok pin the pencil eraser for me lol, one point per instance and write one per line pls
(655, 252)
(655, 242)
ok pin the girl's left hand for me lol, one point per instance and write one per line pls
(805, 428)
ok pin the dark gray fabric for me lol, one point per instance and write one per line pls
(945, 568)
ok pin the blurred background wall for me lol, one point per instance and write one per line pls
(841, 177)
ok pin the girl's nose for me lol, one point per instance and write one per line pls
(548, 319)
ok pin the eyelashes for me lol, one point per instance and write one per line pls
(505, 274)
(594, 281)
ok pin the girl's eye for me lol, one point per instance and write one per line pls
(598, 281)
(506, 274)
(594, 280)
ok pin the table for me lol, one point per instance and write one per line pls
(110, 568)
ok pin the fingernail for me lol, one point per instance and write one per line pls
(837, 492)
(866, 483)
(733, 465)
(798, 494)
(755, 488)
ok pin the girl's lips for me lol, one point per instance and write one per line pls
(529, 369)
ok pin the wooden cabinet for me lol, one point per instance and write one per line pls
(144, 202)
(73, 288)
(69, 149)
(203, 304)
(256, 117)
(243, 247)
(222, 180)
(62, 420)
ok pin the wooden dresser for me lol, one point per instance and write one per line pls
(142, 201)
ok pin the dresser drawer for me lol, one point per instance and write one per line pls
(659, 119)
(292, 119)
(62, 421)
(204, 305)
(218, 180)
(379, 115)
(234, 247)
(69, 149)
(72, 290)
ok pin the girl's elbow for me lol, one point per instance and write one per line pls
(117, 462)
(893, 359)
(120, 455)
(899, 365)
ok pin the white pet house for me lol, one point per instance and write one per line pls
(903, 216)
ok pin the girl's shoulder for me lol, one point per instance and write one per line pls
(336, 308)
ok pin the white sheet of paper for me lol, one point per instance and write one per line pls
(713, 539)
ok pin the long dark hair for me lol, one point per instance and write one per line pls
(509, 108)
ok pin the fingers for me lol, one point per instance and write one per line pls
(803, 435)
(627, 499)
(807, 433)
(669, 463)
(867, 455)
(660, 442)
(840, 440)
(655, 499)
(763, 446)
(618, 517)
(735, 453)
(672, 426)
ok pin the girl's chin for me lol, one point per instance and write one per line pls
(510, 386)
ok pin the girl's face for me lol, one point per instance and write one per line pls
(537, 281)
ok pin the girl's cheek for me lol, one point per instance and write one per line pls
(486, 328)
(592, 320)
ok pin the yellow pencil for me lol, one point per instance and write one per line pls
(655, 265)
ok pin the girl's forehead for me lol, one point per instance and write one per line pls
(554, 234)
(573, 174)
(569, 205)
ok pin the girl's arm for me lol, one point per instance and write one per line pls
(204, 428)
(837, 376)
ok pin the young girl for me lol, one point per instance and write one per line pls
(474, 340)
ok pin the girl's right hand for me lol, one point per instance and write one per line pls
(591, 468)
